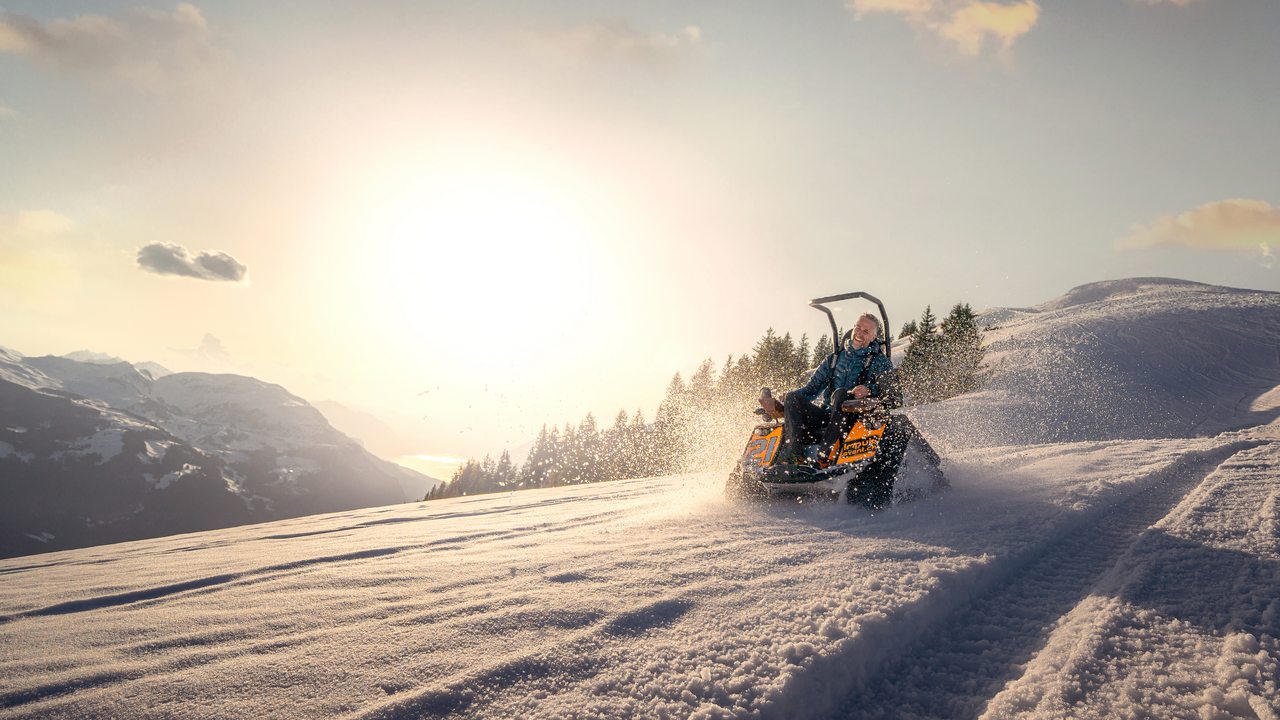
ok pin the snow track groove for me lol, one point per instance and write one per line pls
(957, 667)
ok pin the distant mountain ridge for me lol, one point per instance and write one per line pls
(96, 452)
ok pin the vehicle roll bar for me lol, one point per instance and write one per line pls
(835, 331)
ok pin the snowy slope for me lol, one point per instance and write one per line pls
(1091, 578)
(1136, 358)
(1049, 576)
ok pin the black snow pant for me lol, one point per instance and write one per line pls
(873, 487)
(806, 423)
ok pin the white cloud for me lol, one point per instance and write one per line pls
(970, 24)
(149, 50)
(615, 42)
(172, 259)
(1251, 225)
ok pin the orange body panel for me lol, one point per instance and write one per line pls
(763, 445)
(860, 442)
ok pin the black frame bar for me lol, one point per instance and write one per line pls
(835, 331)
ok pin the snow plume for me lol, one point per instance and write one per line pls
(1249, 225)
(970, 24)
(172, 259)
(152, 51)
(616, 42)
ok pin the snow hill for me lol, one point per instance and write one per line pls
(96, 451)
(1087, 576)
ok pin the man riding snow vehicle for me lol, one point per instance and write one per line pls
(837, 432)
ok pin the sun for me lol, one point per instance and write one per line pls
(476, 247)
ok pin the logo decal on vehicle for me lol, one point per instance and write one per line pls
(762, 449)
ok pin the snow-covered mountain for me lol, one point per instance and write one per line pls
(1082, 577)
(94, 452)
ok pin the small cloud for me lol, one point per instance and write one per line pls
(906, 7)
(210, 350)
(150, 50)
(970, 24)
(615, 42)
(1250, 225)
(172, 259)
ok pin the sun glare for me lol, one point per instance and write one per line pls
(471, 246)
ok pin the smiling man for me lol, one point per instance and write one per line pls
(858, 371)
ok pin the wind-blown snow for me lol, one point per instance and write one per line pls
(1095, 577)
(1136, 358)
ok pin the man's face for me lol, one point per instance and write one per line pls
(864, 331)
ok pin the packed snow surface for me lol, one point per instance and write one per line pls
(1086, 577)
(1098, 579)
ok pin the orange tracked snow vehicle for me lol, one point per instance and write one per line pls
(881, 458)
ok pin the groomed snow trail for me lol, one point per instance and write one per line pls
(954, 670)
(1185, 625)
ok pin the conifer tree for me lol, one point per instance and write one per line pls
(962, 351)
(822, 350)
(504, 472)
(701, 383)
(918, 371)
(803, 359)
(942, 364)
(540, 460)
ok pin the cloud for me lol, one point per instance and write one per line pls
(149, 50)
(1237, 224)
(615, 42)
(970, 24)
(172, 259)
(211, 350)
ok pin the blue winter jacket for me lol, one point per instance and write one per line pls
(882, 379)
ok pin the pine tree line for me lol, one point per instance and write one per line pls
(689, 416)
(699, 423)
(582, 454)
(944, 360)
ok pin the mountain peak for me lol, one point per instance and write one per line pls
(94, 358)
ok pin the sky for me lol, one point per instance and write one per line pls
(474, 218)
